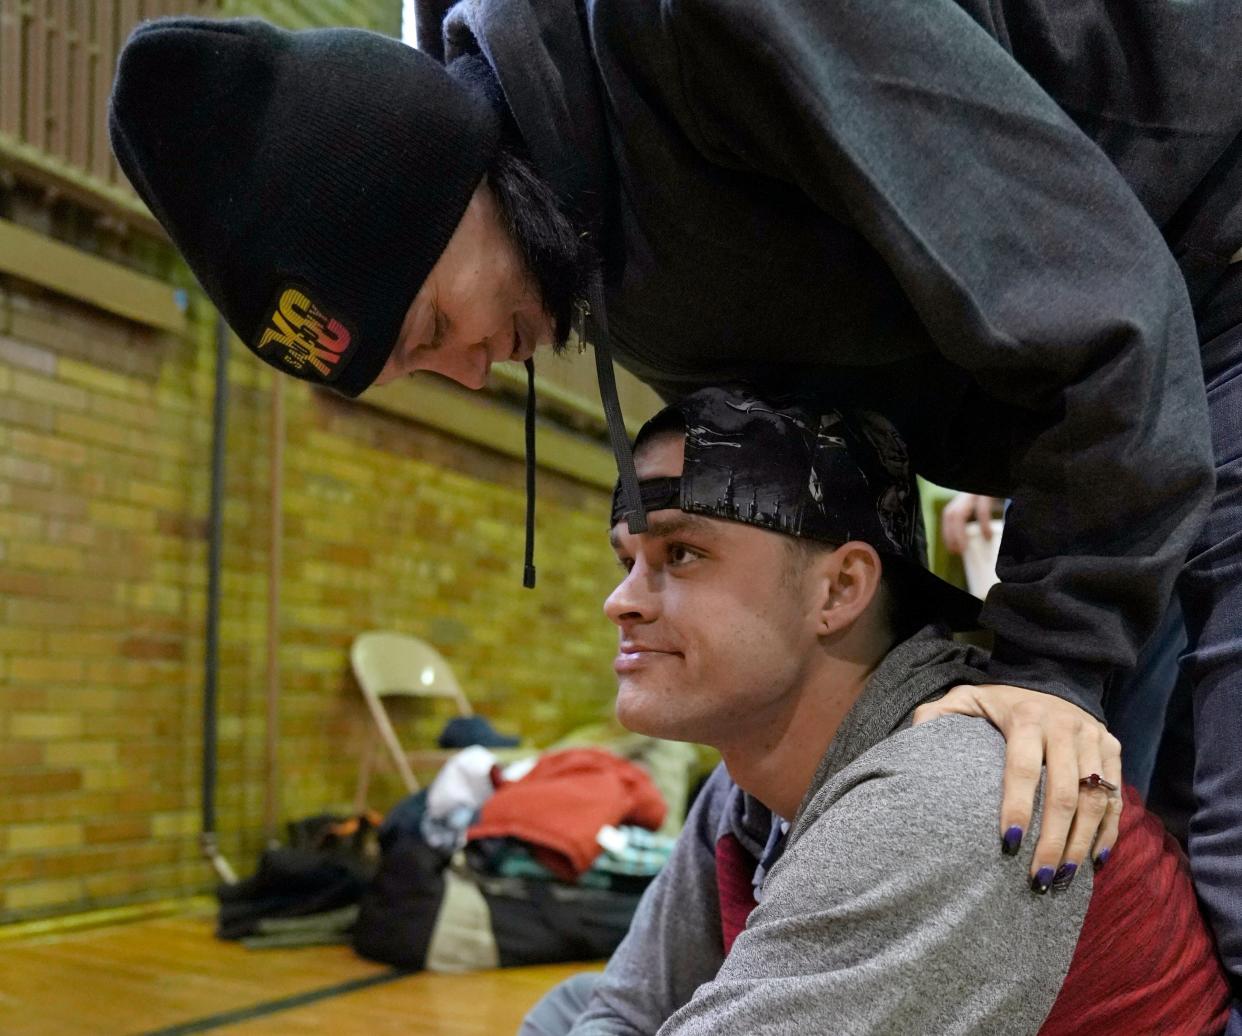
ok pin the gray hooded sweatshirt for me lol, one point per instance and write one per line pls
(891, 909)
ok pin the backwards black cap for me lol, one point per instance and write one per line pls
(311, 179)
(793, 467)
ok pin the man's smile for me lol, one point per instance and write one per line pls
(633, 655)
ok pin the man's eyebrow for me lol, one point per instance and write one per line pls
(663, 528)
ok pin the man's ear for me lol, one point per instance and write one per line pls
(851, 580)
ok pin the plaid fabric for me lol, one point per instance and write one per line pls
(642, 854)
(630, 852)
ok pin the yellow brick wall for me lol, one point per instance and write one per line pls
(104, 477)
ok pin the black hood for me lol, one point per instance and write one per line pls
(541, 55)
(542, 58)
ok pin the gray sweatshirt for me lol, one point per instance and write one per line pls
(891, 909)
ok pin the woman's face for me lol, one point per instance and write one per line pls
(479, 305)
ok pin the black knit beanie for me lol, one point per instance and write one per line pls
(311, 179)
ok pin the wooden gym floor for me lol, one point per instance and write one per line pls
(172, 976)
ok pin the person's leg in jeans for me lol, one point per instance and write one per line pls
(1136, 714)
(1171, 794)
(560, 1007)
(1211, 593)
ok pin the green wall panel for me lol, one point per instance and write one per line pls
(380, 15)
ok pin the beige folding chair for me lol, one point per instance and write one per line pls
(387, 664)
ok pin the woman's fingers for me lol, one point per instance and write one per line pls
(1061, 753)
(1110, 756)
(1044, 734)
(1099, 806)
(1024, 758)
(1092, 806)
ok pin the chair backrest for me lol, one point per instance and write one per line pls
(388, 663)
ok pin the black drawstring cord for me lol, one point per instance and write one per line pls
(635, 515)
(528, 573)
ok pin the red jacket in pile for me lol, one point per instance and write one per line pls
(559, 807)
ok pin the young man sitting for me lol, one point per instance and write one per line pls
(838, 873)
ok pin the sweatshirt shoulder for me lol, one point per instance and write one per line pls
(966, 747)
(942, 778)
(962, 746)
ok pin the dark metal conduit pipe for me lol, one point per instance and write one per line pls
(211, 650)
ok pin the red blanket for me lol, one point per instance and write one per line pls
(559, 807)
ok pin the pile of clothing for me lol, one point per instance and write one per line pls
(306, 893)
(538, 862)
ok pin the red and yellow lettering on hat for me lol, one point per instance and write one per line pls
(304, 339)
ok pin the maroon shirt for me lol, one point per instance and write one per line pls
(1145, 961)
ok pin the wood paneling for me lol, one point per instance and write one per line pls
(107, 285)
(12, 26)
(476, 418)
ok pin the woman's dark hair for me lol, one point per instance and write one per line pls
(557, 255)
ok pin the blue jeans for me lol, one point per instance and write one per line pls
(1136, 715)
(560, 1007)
(1211, 594)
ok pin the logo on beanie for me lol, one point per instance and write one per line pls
(303, 338)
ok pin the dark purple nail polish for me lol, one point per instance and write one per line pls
(1011, 841)
(1042, 880)
(1102, 858)
(1061, 880)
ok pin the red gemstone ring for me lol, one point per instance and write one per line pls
(1094, 780)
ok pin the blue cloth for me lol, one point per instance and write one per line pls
(464, 731)
(1135, 713)
(1211, 593)
(447, 834)
(1171, 795)
(405, 819)
(771, 853)
(560, 1007)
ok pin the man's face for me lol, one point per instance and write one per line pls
(478, 306)
(714, 639)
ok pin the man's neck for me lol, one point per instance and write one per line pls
(777, 761)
